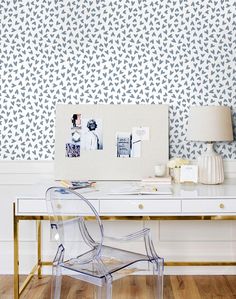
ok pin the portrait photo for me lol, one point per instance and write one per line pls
(91, 134)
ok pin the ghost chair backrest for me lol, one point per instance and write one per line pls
(78, 227)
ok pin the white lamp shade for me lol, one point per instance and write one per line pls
(210, 123)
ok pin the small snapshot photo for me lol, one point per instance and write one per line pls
(136, 147)
(76, 120)
(91, 134)
(72, 146)
(140, 133)
(123, 145)
(72, 150)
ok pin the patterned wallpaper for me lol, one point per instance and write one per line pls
(179, 52)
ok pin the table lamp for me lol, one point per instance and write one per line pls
(210, 124)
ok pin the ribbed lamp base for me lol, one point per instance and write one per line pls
(211, 169)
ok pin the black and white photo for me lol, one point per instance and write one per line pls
(128, 145)
(76, 120)
(72, 150)
(72, 146)
(76, 129)
(91, 134)
(123, 144)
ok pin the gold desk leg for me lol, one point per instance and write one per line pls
(39, 240)
(16, 253)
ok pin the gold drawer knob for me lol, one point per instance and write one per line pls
(222, 206)
(141, 206)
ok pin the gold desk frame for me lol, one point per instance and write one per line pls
(38, 267)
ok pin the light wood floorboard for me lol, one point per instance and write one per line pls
(138, 287)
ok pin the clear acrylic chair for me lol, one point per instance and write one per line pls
(82, 253)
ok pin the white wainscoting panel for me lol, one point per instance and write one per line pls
(197, 230)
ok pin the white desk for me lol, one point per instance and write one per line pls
(187, 202)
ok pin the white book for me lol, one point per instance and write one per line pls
(157, 180)
(155, 183)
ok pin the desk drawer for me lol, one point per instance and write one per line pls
(139, 206)
(209, 206)
(67, 206)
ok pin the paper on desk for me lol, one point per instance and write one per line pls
(141, 191)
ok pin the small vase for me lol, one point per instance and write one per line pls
(176, 175)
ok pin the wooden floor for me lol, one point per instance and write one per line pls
(139, 287)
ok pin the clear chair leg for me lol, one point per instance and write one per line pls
(98, 293)
(158, 268)
(56, 282)
(161, 277)
(109, 290)
(105, 291)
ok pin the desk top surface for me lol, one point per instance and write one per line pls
(123, 190)
(176, 199)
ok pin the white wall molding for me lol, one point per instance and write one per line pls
(25, 172)
(230, 168)
(24, 167)
(46, 168)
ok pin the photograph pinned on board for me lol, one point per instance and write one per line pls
(140, 133)
(73, 144)
(135, 146)
(76, 120)
(72, 150)
(76, 129)
(75, 136)
(91, 134)
(129, 145)
(123, 144)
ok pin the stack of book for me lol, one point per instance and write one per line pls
(156, 181)
(77, 184)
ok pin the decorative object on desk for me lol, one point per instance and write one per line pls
(189, 173)
(176, 175)
(174, 166)
(210, 124)
(160, 170)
